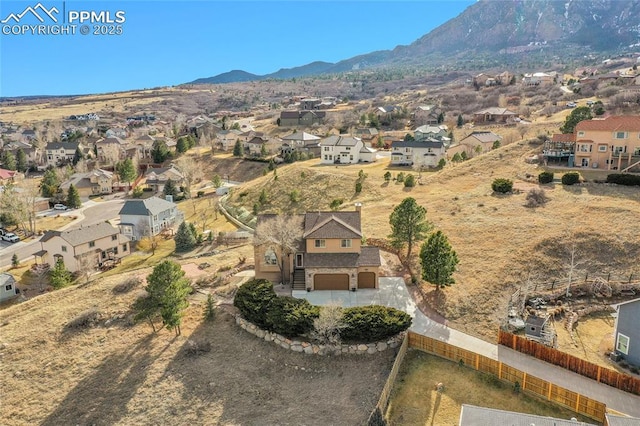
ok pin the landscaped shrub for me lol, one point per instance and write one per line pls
(624, 179)
(410, 181)
(253, 299)
(290, 316)
(570, 178)
(545, 177)
(372, 323)
(502, 185)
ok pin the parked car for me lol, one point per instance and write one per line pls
(571, 104)
(11, 237)
(590, 102)
(60, 207)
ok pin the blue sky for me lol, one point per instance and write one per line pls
(173, 42)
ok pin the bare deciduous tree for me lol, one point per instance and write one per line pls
(86, 263)
(191, 171)
(327, 326)
(283, 232)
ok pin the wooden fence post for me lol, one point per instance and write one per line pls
(549, 395)
(513, 342)
(524, 380)
(577, 402)
(500, 370)
(599, 371)
(477, 362)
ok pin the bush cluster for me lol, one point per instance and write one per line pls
(371, 323)
(502, 185)
(545, 177)
(290, 317)
(570, 178)
(624, 179)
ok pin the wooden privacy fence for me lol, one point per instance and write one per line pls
(383, 401)
(585, 368)
(528, 383)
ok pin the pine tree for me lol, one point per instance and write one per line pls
(159, 151)
(77, 156)
(408, 224)
(238, 149)
(460, 121)
(73, 198)
(59, 276)
(170, 189)
(438, 260)
(185, 241)
(14, 260)
(9, 161)
(21, 161)
(49, 184)
(126, 171)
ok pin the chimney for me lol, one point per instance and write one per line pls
(358, 207)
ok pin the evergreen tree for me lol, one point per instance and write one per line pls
(438, 260)
(14, 260)
(463, 155)
(577, 115)
(126, 171)
(263, 150)
(73, 198)
(182, 145)
(159, 151)
(441, 118)
(59, 276)
(77, 156)
(456, 158)
(460, 121)
(49, 184)
(185, 241)
(21, 161)
(9, 161)
(238, 149)
(408, 224)
(170, 189)
(168, 290)
(387, 176)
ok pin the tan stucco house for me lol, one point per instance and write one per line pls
(330, 254)
(100, 243)
(95, 182)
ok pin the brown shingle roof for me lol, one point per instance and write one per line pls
(331, 260)
(612, 123)
(369, 256)
(332, 225)
(75, 237)
(563, 137)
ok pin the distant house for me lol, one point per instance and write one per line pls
(226, 139)
(476, 142)
(110, 148)
(8, 176)
(538, 79)
(301, 141)
(139, 218)
(100, 243)
(310, 103)
(95, 182)
(156, 178)
(343, 149)
(494, 115)
(8, 286)
(116, 132)
(427, 114)
(29, 150)
(417, 153)
(301, 118)
(59, 153)
(560, 149)
(627, 331)
(254, 146)
(28, 135)
(438, 132)
(471, 415)
(330, 255)
(369, 135)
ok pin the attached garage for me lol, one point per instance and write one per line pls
(331, 282)
(367, 280)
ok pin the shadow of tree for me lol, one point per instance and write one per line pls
(101, 399)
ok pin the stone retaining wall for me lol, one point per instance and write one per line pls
(313, 348)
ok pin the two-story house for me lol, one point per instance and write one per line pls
(96, 244)
(330, 254)
(611, 143)
(156, 178)
(139, 218)
(58, 153)
(116, 132)
(30, 151)
(424, 153)
(301, 118)
(95, 182)
(344, 149)
(301, 141)
(432, 132)
(227, 139)
(427, 114)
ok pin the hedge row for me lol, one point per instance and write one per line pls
(624, 179)
(291, 317)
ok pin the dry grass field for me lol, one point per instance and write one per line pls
(110, 371)
(499, 241)
(415, 401)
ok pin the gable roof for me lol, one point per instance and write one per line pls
(7, 174)
(332, 225)
(148, 207)
(612, 123)
(417, 144)
(431, 129)
(67, 146)
(340, 140)
(6, 278)
(301, 136)
(495, 111)
(162, 170)
(470, 415)
(563, 137)
(485, 137)
(78, 236)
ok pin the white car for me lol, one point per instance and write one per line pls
(11, 237)
(59, 207)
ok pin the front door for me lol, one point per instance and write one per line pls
(299, 261)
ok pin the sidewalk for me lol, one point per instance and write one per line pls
(393, 292)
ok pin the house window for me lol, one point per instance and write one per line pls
(124, 247)
(320, 243)
(114, 237)
(620, 135)
(585, 148)
(326, 148)
(622, 344)
(92, 244)
(64, 248)
(580, 133)
(345, 243)
(602, 148)
(348, 148)
(351, 158)
(8, 287)
(270, 257)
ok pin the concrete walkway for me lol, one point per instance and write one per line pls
(393, 292)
